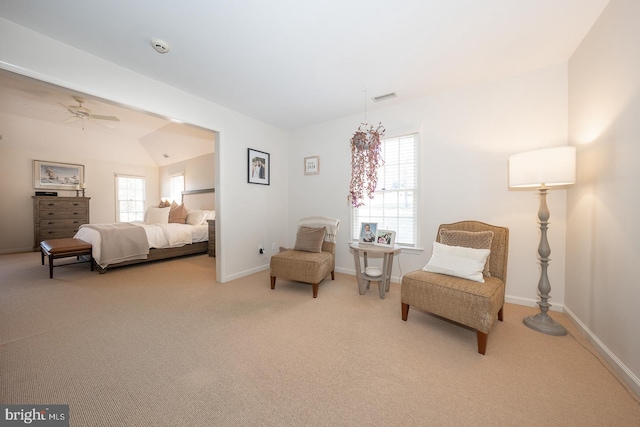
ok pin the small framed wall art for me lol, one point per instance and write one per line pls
(259, 167)
(57, 176)
(312, 165)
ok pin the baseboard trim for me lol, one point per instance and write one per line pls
(616, 364)
(528, 302)
(245, 273)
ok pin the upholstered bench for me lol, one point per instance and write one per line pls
(64, 248)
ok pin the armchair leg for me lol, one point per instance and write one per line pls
(482, 342)
(333, 275)
(315, 290)
(405, 311)
(273, 282)
(501, 314)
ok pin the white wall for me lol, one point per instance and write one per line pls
(602, 291)
(199, 173)
(466, 139)
(247, 215)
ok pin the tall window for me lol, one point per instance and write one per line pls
(176, 183)
(395, 202)
(130, 192)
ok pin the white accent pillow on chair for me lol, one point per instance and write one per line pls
(458, 261)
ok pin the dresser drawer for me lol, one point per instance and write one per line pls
(61, 223)
(56, 233)
(74, 213)
(61, 204)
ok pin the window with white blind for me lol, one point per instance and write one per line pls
(130, 192)
(176, 184)
(395, 202)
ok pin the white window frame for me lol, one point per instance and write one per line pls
(174, 190)
(137, 214)
(390, 222)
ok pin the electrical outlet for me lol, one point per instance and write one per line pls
(273, 246)
(260, 249)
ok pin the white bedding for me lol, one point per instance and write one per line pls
(160, 236)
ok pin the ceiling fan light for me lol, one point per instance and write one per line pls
(384, 97)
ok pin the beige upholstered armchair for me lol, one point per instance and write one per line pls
(462, 300)
(314, 254)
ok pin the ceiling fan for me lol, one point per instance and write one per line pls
(80, 112)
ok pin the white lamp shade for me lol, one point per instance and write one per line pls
(543, 167)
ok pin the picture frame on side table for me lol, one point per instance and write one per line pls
(386, 238)
(368, 233)
(258, 167)
(312, 165)
(57, 176)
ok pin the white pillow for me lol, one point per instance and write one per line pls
(196, 217)
(466, 263)
(157, 215)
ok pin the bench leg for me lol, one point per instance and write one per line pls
(50, 266)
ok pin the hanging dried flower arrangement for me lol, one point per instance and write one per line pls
(366, 158)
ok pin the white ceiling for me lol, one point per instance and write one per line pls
(166, 141)
(297, 63)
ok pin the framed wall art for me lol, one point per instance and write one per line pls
(57, 176)
(385, 238)
(259, 167)
(312, 165)
(368, 232)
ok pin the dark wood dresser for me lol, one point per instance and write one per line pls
(212, 237)
(56, 217)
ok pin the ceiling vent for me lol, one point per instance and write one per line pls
(160, 46)
(385, 97)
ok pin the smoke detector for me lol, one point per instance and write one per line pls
(160, 46)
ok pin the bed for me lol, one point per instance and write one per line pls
(154, 239)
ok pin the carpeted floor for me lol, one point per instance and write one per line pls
(163, 344)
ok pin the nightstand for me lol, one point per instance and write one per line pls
(212, 237)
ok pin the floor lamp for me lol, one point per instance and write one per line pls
(542, 169)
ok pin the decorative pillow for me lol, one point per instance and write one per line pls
(208, 213)
(469, 239)
(196, 217)
(178, 214)
(466, 263)
(157, 216)
(164, 204)
(309, 239)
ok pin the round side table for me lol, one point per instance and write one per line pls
(364, 280)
